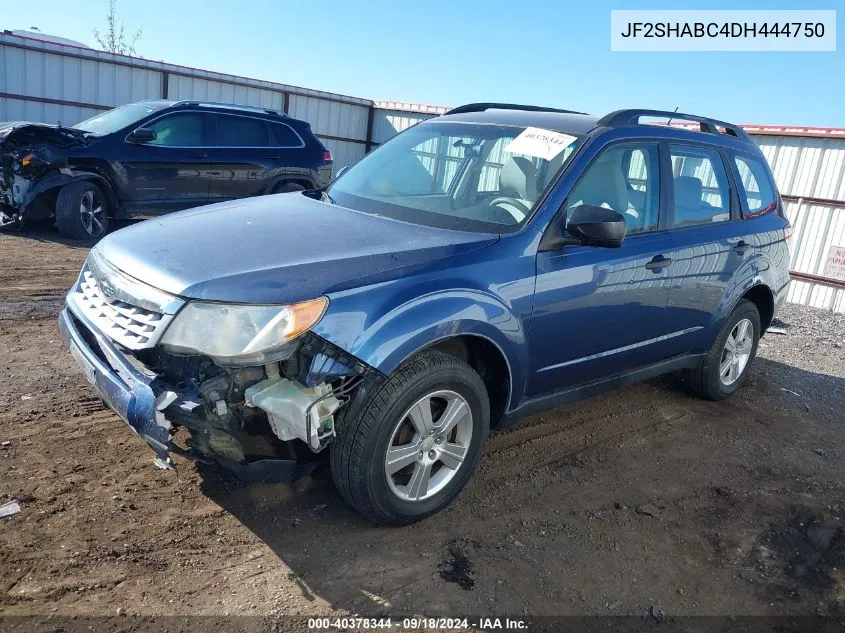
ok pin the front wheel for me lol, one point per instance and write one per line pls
(726, 364)
(82, 211)
(409, 448)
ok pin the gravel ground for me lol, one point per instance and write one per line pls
(643, 498)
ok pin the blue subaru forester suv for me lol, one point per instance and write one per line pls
(479, 267)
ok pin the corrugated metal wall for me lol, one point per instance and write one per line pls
(390, 120)
(806, 167)
(45, 81)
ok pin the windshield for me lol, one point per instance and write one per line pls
(119, 118)
(457, 175)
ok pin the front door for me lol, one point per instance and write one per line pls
(599, 312)
(170, 172)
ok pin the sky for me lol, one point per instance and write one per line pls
(447, 52)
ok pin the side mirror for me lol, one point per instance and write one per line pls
(597, 226)
(142, 135)
(588, 226)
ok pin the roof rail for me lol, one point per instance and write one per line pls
(231, 106)
(481, 107)
(632, 117)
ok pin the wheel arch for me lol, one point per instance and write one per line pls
(489, 361)
(762, 297)
(470, 325)
(754, 287)
(282, 180)
(52, 182)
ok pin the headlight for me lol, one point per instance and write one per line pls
(241, 334)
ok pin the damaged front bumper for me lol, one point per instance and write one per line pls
(125, 389)
(141, 399)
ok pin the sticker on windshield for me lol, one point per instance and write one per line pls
(535, 141)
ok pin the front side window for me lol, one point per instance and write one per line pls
(702, 195)
(457, 175)
(757, 191)
(239, 131)
(183, 129)
(626, 178)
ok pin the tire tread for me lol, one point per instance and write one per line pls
(363, 421)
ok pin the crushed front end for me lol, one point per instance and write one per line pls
(32, 158)
(263, 422)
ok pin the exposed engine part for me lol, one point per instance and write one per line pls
(294, 411)
(248, 418)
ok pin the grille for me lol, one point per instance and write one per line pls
(130, 325)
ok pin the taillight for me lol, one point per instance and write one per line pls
(327, 156)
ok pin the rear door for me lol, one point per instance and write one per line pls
(172, 171)
(711, 241)
(247, 156)
(599, 312)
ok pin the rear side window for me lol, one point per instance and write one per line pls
(239, 131)
(758, 195)
(702, 195)
(283, 136)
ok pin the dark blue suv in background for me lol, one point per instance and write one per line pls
(152, 157)
(479, 267)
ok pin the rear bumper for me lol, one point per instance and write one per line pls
(124, 388)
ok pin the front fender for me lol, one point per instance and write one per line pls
(59, 178)
(387, 341)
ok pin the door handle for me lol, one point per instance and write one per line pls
(742, 247)
(658, 263)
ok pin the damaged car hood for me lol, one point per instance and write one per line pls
(276, 249)
(28, 132)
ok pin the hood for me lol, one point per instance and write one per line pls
(276, 249)
(29, 133)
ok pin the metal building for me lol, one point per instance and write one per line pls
(53, 81)
(809, 167)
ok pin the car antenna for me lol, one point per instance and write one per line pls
(669, 122)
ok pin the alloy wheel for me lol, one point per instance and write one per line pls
(93, 213)
(736, 352)
(428, 445)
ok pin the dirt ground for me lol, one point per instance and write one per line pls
(646, 497)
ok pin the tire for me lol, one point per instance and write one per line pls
(708, 379)
(287, 187)
(71, 220)
(378, 420)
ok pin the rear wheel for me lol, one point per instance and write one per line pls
(82, 211)
(409, 449)
(287, 187)
(726, 364)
